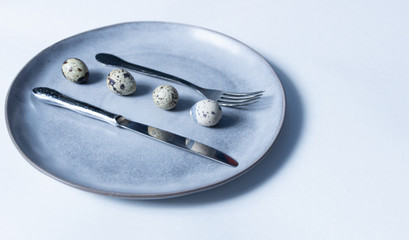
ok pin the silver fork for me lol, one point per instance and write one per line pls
(226, 99)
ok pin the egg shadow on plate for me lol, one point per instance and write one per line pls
(260, 174)
(95, 77)
(184, 104)
(228, 120)
(141, 89)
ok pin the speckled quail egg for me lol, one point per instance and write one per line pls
(206, 112)
(121, 82)
(165, 97)
(75, 70)
(160, 134)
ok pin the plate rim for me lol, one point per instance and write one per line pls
(159, 195)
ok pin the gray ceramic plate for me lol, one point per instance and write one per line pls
(97, 157)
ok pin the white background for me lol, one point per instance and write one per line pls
(339, 170)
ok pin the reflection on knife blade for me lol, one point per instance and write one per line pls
(53, 97)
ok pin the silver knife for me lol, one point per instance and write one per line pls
(53, 97)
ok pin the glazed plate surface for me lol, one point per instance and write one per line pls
(97, 157)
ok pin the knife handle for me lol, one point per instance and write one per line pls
(53, 97)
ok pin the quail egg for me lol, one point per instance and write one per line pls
(75, 70)
(121, 82)
(206, 112)
(165, 97)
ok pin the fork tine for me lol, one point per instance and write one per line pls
(223, 101)
(242, 94)
(241, 98)
(236, 104)
(234, 100)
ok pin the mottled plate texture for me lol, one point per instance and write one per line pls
(97, 157)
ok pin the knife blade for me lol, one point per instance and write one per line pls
(56, 98)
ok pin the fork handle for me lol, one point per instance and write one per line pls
(110, 59)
